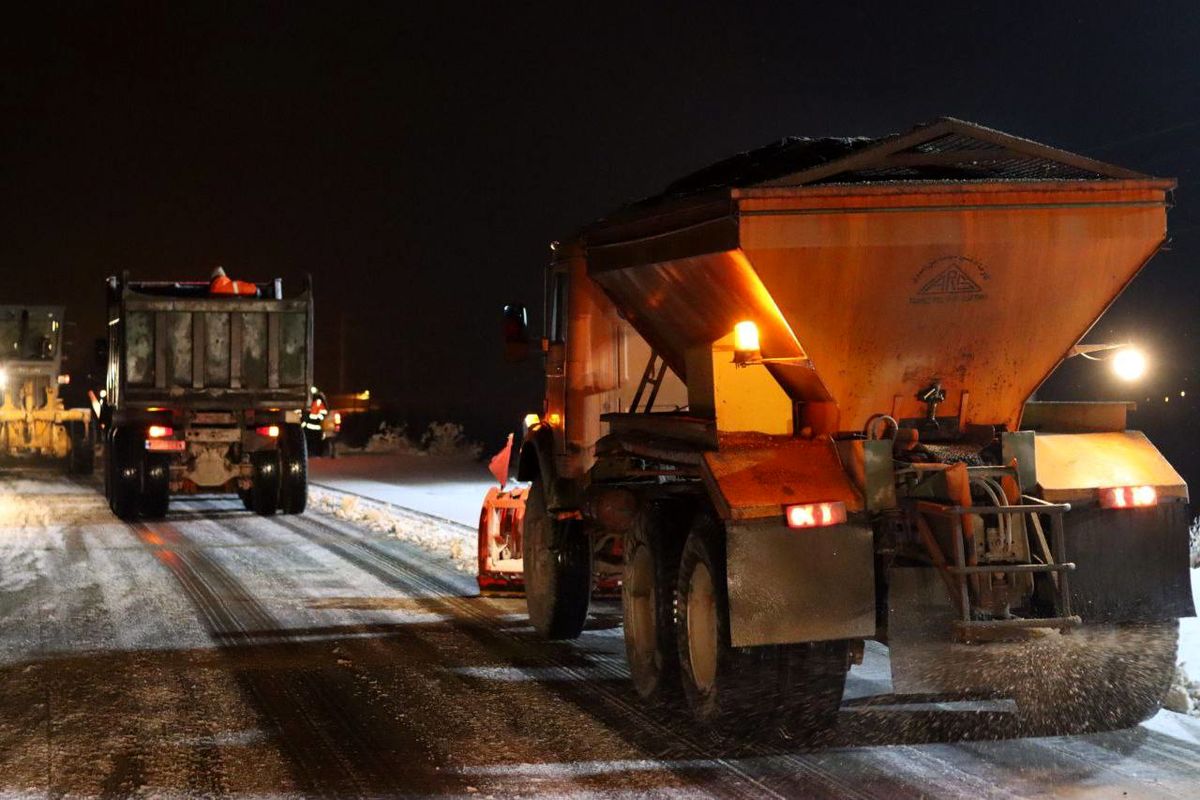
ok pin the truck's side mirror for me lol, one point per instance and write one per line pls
(516, 332)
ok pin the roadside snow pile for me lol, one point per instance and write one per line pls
(1184, 695)
(447, 439)
(388, 439)
(444, 538)
(439, 439)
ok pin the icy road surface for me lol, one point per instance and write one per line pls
(218, 653)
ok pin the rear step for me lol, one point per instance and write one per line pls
(958, 574)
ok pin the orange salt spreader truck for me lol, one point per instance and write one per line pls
(789, 403)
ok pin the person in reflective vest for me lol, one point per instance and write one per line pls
(220, 283)
(314, 419)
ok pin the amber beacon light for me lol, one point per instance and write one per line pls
(745, 343)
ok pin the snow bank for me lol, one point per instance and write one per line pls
(441, 537)
(443, 486)
(445, 439)
(1185, 694)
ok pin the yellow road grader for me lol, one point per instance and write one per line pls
(33, 420)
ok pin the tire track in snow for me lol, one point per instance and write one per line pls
(406, 576)
(331, 750)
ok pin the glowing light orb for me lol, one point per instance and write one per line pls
(1129, 364)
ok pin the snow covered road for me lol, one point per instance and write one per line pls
(219, 653)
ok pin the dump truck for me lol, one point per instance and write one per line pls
(789, 401)
(204, 395)
(34, 421)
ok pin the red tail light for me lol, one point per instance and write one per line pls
(160, 432)
(270, 431)
(815, 515)
(337, 421)
(1128, 497)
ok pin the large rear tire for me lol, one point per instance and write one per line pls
(1097, 678)
(652, 549)
(718, 681)
(293, 457)
(558, 570)
(264, 493)
(124, 463)
(794, 689)
(156, 485)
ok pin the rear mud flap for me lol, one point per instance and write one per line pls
(788, 586)
(1132, 564)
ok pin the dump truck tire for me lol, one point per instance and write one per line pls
(1097, 678)
(718, 681)
(793, 690)
(648, 592)
(558, 570)
(247, 498)
(293, 456)
(156, 485)
(124, 462)
(264, 494)
(812, 678)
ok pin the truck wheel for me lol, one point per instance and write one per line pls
(812, 677)
(124, 463)
(1096, 678)
(293, 456)
(718, 681)
(648, 590)
(247, 498)
(264, 494)
(156, 485)
(558, 570)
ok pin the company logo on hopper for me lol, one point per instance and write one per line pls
(950, 279)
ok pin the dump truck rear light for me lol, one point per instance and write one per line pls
(270, 431)
(815, 515)
(1128, 497)
(160, 432)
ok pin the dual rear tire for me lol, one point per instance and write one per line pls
(279, 478)
(136, 483)
(676, 622)
(795, 689)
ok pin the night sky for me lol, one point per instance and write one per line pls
(417, 158)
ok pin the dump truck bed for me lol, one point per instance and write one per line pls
(175, 343)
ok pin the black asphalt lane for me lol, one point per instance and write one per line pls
(217, 653)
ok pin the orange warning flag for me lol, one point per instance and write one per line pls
(498, 466)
